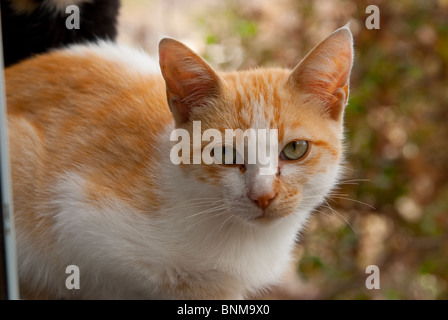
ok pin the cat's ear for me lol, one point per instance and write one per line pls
(323, 75)
(190, 81)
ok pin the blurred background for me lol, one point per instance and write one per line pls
(391, 209)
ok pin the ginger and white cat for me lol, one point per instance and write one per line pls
(94, 186)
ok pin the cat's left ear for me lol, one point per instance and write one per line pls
(323, 75)
(190, 81)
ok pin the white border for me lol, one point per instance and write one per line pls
(8, 217)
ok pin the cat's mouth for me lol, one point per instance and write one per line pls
(249, 211)
(275, 210)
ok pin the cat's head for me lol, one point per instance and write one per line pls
(305, 106)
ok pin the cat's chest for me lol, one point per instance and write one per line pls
(182, 248)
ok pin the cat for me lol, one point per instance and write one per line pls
(94, 185)
(31, 27)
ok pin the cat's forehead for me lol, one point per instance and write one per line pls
(256, 85)
(256, 96)
(262, 99)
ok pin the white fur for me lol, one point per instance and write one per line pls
(136, 60)
(128, 253)
(124, 253)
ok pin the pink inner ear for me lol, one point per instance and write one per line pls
(173, 76)
(326, 84)
(190, 81)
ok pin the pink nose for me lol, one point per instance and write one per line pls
(265, 200)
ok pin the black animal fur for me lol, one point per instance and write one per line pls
(36, 31)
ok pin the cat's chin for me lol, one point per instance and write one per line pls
(266, 219)
(262, 218)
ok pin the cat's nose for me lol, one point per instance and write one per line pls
(265, 200)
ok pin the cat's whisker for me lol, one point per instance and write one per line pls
(196, 205)
(225, 221)
(312, 197)
(334, 211)
(340, 215)
(192, 205)
(348, 183)
(222, 206)
(320, 187)
(351, 182)
(203, 198)
(219, 214)
(213, 232)
(337, 218)
(354, 180)
(209, 217)
(338, 194)
(196, 202)
(199, 200)
(204, 212)
(199, 203)
(357, 201)
(209, 211)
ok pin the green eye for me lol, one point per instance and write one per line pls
(221, 153)
(295, 150)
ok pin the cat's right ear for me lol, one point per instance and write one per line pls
(190, 81)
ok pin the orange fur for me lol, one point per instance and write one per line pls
(72, 112)
(105, 122)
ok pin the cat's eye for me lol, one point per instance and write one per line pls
(225, 155)
(295, 150)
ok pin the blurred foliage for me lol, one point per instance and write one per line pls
(391, 209)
